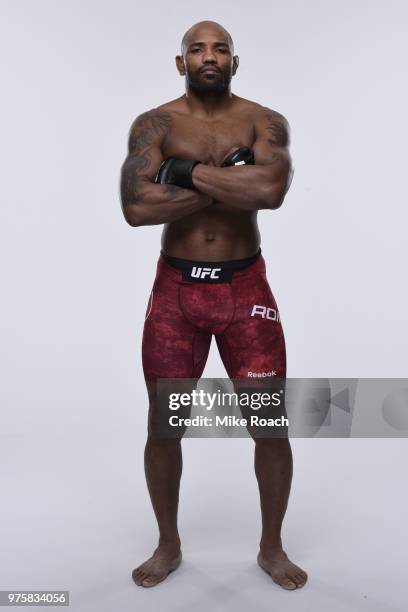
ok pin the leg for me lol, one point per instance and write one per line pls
(163, 467)
(254, 344)
(176, 351)
(273, 469)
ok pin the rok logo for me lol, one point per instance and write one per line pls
(198, 272)
(266, 313)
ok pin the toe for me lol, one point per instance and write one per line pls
(298, 580)
(138, 571)
(150, 581)
(301, 578)
(288, 583)
(136, 579)
(284, 581)
(138, 576)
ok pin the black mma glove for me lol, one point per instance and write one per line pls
(241, 156)
(177, 172)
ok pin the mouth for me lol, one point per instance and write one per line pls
(209, 71)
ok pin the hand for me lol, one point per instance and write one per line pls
(178, 172)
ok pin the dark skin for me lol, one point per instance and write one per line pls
(215, 221)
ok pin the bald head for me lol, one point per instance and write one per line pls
(203, 28)
(207, 43)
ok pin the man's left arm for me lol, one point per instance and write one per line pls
(254, 187)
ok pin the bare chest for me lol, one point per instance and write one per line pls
(208, 141)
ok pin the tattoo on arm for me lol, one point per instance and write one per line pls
(278, 132)
(152, 123)
(275, 136)
(148, 126)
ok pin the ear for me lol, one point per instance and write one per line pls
(180, 65)
(235, 64)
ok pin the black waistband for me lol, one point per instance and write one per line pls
(209, 271)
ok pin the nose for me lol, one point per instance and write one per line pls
(209, 56)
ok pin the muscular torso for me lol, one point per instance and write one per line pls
(218, 232)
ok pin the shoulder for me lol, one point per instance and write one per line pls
(156, 118)
(149, 127)
(257, 109)
(266, 120)
(159, 118)
(274, 124)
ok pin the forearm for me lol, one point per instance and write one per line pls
(151, 204)
(247, 187)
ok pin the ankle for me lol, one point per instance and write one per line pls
(270, 545)
(172, 543)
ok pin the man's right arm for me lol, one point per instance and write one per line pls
(143, 201)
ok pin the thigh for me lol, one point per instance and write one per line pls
(253, 345)
(254, 354)
(172, 347)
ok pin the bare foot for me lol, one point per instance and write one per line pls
(282, 571)
(158, 567)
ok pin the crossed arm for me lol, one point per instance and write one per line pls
(143, 201)
(263, 185)
(260, 186)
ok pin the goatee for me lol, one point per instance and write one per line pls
(217, 85)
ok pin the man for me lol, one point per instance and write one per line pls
(204, 164)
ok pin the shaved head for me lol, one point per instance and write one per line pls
(207, 59)
(204, 26)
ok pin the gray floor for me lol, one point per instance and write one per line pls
(76, 515)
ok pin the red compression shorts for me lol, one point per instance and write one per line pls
(192, 300)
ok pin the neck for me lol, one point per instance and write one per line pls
(209, 103)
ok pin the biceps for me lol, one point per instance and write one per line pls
(276, 159)
(265, 153)
(138, 172)
(144, 164)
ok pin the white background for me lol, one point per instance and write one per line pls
(76, 279)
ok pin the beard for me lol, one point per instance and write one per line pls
(201, 84)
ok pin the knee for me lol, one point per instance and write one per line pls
(162, 451)
(154, 442)
(275, 445)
